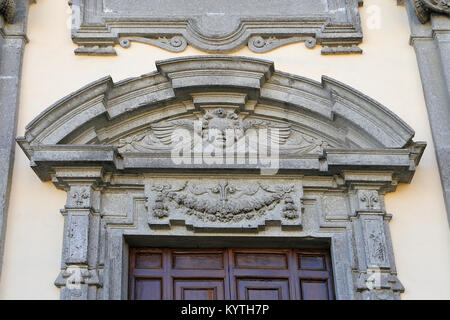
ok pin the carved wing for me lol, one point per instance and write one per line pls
(174, 131)
(277, 133)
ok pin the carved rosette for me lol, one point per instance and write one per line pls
(224, 202)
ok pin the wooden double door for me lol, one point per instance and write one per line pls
(224, 274)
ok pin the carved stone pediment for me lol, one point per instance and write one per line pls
(211, 204)
(235, 105)
(109, 146)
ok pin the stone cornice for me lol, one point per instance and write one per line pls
(216, 27)
(181, 79)
(107, 124)
(399, 163)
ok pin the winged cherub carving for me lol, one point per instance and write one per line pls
(221, 128)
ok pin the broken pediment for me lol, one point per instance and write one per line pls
(233, 105)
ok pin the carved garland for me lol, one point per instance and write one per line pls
(226, 202)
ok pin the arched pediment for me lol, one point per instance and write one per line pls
(125, 124)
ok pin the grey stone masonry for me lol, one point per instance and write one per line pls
(110, 147)
(430, 38)
(13, 23)
(216, 26)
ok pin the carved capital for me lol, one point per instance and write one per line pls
(424, 8)
(80, 196)
(368, 200)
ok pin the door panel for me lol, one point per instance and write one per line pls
(197, 260)
(253, 260)
(148, 289)
(149, 261)
(263, 289)
(243, 274)
(199, 289)
(314, 289)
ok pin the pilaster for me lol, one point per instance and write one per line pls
(430, 37)
(13, 24)
(80, 277)
(376, 275)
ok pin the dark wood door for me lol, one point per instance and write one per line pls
(223, 274)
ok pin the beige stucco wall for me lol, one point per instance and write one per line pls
(387, 72)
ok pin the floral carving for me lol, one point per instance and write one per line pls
(81, 197)
(369, 200)
(377, 245)
(223, 201)
(290, 210)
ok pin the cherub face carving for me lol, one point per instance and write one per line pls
(221, 128)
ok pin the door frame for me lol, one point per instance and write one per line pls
(225, 242)
(230, 272)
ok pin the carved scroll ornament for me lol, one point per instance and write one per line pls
(216, 26)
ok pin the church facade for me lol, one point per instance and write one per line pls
(225, 151)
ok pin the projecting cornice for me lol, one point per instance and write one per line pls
(325, 126)
(216, 26)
